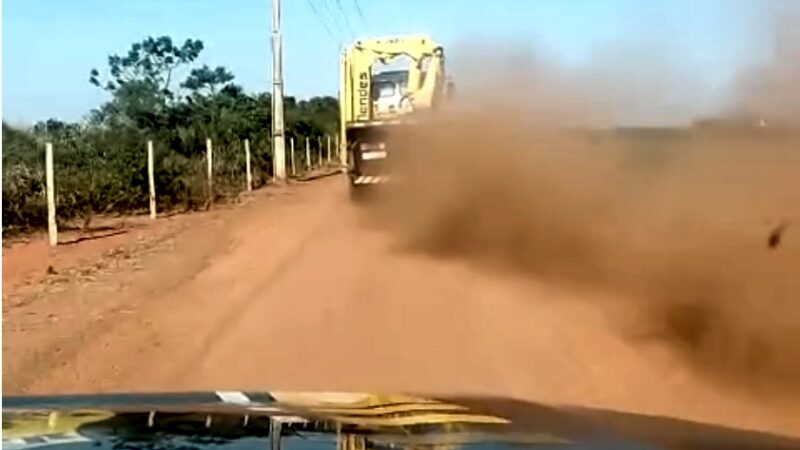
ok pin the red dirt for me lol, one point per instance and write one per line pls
(28, 259)
(296, 290)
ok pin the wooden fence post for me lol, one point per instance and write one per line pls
(328, 136)
(52, 231)
(247, 164)
(341, 152)
(308, 153)
(209, 171)
(292, 158)
(319, 151)
(151, 180)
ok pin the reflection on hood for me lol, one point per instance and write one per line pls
(346, 421)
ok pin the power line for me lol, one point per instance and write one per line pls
(360, 13)
(346, 19)
(335, 18)
(327, 12)
(322, 21)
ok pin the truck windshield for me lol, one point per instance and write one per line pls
(389, 83)
(383, 90)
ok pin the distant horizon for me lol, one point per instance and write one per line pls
(84, 118)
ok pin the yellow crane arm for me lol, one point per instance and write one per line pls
(424, 74)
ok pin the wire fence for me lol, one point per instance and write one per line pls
(86, 183)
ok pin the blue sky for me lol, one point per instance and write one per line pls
(49, 46)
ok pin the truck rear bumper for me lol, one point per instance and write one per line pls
(373, 151)
(381, 123)
(369, 179)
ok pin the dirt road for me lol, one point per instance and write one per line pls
(296, 290)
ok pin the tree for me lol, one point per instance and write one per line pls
(205, 81)
(152, 61)
(140, 82)
(101, 164)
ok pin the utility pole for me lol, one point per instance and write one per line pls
(278, 143)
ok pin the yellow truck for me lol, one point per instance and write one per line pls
(378, 96)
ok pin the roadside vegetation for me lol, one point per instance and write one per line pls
(157, 92)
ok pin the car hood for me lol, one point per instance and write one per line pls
(347, 421)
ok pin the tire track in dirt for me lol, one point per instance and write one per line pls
(177, 318)
(242, 304)
(98, 308)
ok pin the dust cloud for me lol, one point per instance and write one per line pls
(771, 90)
(694, 230)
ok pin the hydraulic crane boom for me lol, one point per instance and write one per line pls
(424, 72)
